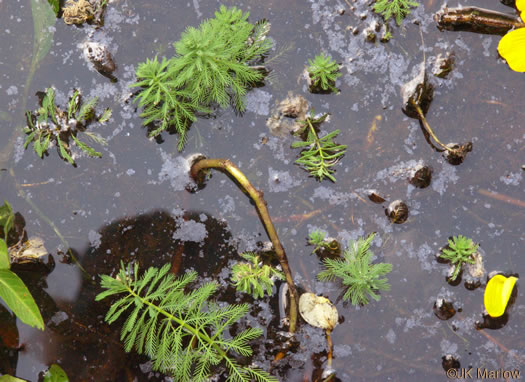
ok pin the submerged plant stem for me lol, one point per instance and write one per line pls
(427, 127)
(257, 196)
(330, 348)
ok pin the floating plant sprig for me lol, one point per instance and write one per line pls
(316, 238)
(215, 64)
(361, 278)
(461, 250)
(162, 100)
(323, 72)
(398, 9)
(51, 125)
(320, 154)
(185, 334)
(254, 277)
(212, 61)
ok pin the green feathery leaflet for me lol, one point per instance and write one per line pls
(460, 251)
(185, 334)
(319, 154)
(356, 272)
(214, 64)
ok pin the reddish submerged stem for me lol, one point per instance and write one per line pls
(257, 196)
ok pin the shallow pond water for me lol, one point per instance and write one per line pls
(132, 202)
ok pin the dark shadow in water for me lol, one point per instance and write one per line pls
(90, 349)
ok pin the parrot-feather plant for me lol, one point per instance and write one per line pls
(51, 125)
(319, 154)
(460, 251)
(323, 72)
(361, 278)
(398, 9)
(185, 334)
(214, 65)
(254, 277)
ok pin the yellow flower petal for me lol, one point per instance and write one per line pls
(520, 5)
(512, 48)
(497, 294)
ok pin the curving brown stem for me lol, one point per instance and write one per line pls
(257, 196)
(427, 127)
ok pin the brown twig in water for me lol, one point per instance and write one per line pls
(330, 348)
(197, 170)
(501, 346)
(427, 127)
(502, 197)
(478, 20)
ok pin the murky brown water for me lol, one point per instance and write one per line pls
(131, 203)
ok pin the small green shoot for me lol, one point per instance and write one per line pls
(319, 155)
(316, 238)
(398, 9)
(254, 274)
(361, 278)
(50, 125)
(323, 71)
(461, 251)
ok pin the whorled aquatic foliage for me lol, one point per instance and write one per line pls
(323, 71)
(361, 278)
(212, 66)
(185, 334)
(162, 100)
(212, 60)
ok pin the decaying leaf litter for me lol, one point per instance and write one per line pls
(340, 201)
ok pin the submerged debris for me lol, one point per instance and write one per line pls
(417, 93)
(84, 11)
(31, 250)
(77, 12)
(295, 107)
(420, 176)
(474, 273)
(474, 19)
(99, 55)
(443, 65)
(450, 362)
(443, 309)
(457, 152)
(375, 197)
(397, 212)
(318, 311)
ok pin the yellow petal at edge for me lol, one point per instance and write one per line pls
(520, 5)
(512, 48)
(497, 294)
